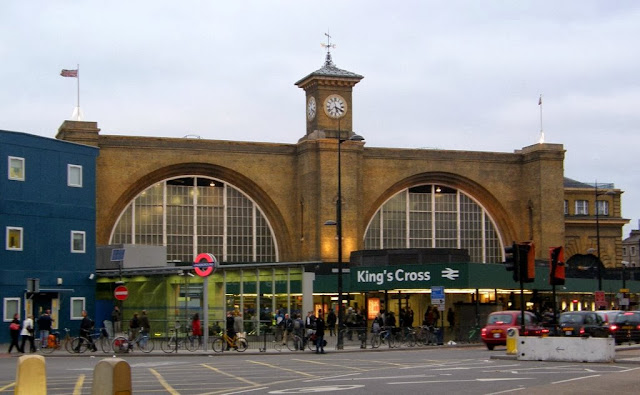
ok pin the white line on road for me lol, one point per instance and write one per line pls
(574, 379)
(461, 381)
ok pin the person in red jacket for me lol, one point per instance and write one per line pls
(196, 328)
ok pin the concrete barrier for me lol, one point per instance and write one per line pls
(31, 375)
(112, 377)
(566, 349)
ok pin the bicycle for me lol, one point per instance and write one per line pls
(407, 338)
(382, 337)
(426, 335)
(175, 342)
(474, 334)
(122, 344)
(55, 343)
(218, 344)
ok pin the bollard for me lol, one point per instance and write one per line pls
(512, 341)
(112, 377)
(31, 375)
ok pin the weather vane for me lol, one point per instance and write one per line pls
(328, 46)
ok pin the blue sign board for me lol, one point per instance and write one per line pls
(437, 292)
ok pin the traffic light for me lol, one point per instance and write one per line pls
(527, 258)
(511, 261)
(556, 265)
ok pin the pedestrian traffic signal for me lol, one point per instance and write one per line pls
(512, 262)
(556, 266)
(527, 257)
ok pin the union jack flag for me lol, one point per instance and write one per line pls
(69, 73)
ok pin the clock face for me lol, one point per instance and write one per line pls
(311, 108)
(335, 106)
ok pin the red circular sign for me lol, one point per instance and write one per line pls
(205, 264)
(121, 292)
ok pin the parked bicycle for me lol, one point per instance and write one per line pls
(385, 336)
(226, 343)
(426, 335)
(176, 342)
(122, 344)
(405, 337)
(55, 342)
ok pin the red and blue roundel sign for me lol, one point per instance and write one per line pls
(205, 264)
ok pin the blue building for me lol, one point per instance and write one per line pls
(47, 222)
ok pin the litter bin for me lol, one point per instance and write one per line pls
(439, 332)
(512, 341)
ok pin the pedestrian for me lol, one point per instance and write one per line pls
(14, 331)
(27, 334)
(279, 325)
(86, 326)
(287, 324)
(238, 324)
(231, 333)
(45, 322)
(196, 328)
(331, 322)
(309, 327)
(361, 327)
(134, 327)
(145, 325)
(116, 319)
(451, 318)
(320, 333)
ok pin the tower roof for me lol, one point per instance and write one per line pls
(329, 72)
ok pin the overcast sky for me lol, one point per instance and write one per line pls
(460, 75)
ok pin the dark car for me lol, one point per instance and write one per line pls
(626, 327)
(582, 323)
(495, 332)
(609, 317)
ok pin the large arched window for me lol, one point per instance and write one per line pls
(191, 215)
(435, 216)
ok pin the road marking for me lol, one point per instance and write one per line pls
(285, 369)
(332, 377)
(231, 375)
(331, 364)
(574, 379)
(78, 388)
(505, 391)
(307, 390)
(377, 378)
(164, 383)
(460, 381)
(243, 391)
(7, 386)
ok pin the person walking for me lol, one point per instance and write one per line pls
(145, 325)
(86, 325)
(116, 319)
(196, 328)
(44, 326)
(287, 325)
(134, 327)
(14, 331)
(231, 333)
(331, 322)
(27, 334)
(320, 332)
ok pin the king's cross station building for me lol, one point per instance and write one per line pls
(410, 220)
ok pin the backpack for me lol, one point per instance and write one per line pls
(296, 324)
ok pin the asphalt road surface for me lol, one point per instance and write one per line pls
(437, 370)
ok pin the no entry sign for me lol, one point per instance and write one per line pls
(121, 292)
(205, 264)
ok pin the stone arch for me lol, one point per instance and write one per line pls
(243, 183)
(497, 212)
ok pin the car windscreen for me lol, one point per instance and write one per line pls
(629, 318)
(503, 318)
(571, 318)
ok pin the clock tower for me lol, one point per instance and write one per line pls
(328, 104)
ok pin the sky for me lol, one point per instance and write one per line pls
(455, 75)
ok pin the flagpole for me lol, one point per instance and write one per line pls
(541, 141)
(78, 89)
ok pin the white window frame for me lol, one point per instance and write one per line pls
(84, 241)
(7, 314)
(566, 207)
(71, 310)
(603, 207)
(20, 177)
(581, 207)
(7, 246)
(70, 181)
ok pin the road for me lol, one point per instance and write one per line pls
(437, 370)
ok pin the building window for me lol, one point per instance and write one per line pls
(11, 307)
(16, 168)
(190, 215)
(14, 238)
(624, 251)
(77, 305)
(435, 216)
(582, 207)
(633, 250)
(74, 176)
(603, 207)
(77, 241)
(566, 207)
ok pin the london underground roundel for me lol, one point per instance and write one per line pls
(205, 264)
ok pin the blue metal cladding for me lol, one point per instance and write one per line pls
(48, 210)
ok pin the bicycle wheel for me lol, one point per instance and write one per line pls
(294, 343)
(375, 341)
(79, 345)
(168, 345)
(390, 340)
(146, 345)
(277, 346)
(192, 343)
(218, 344)
(48, 350)
(120, 345)
(67, 345)
(105, 344)
(411, 340)
(241, 344)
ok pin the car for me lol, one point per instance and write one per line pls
(582, 323)
(608, 317)
(494, 332)
(626, 327)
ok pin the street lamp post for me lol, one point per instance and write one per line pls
(338, 223)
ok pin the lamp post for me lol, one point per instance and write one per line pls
(338, 223)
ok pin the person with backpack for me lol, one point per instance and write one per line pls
(287, 324)
(298, 330)
(27, 334)
(45, 322)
